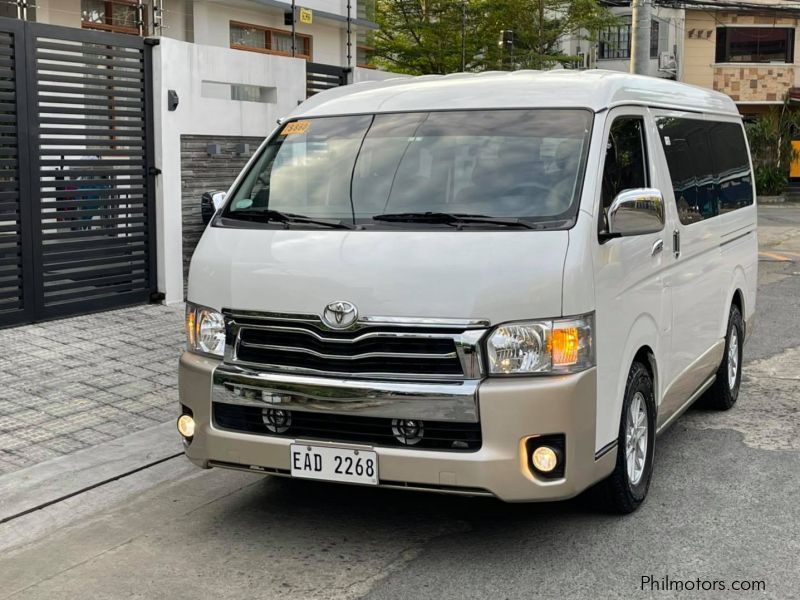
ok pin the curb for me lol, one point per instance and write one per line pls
(39, 486)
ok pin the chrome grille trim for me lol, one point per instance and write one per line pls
(362, 320)
(362, 337)
(351, 356)
(465, 361)
(446, 401)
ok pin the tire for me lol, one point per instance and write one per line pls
(724, 392)
(626, 488)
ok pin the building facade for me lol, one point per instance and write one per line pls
(612, 48)
(748, 53)
(327, 31)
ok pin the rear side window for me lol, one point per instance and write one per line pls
(685, 143)
(708, 166)
(732, 165)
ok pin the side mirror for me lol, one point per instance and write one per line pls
(635, 212)
(218, 198)
(210, 203)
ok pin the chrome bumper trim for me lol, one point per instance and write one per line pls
(433, 401)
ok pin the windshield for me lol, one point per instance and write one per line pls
(520, 164)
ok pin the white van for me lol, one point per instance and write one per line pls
(498, 284)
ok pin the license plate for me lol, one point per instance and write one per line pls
(334, 464)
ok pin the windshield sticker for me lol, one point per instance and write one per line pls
(296, 128)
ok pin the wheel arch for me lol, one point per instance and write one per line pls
(643, 345)
(735, 295)
(647, 356)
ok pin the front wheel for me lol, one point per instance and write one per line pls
(625, 489)
(724, 392)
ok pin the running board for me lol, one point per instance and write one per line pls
(708, 383)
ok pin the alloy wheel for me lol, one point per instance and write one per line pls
(636, 438)
(733, 357)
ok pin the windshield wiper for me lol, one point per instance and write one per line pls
(455, 219)
(286, 218)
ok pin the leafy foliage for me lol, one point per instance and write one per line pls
(425, 36)
(770, 137)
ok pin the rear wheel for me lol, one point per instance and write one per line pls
(625, 489)
(724, 392)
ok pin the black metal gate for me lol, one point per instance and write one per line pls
(321, 77)
(76, 183)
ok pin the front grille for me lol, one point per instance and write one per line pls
(307, 345)
(438, 435)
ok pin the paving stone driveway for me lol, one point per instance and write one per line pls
(73, 383)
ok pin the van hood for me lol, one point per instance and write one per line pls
(494, 275)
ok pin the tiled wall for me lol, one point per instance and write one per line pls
(201, 173)
(754, 84)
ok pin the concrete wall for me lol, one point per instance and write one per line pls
(699, 48)
(184, 67)
(360, 74)
(178, 20)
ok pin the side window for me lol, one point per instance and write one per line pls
(691, 167)
(732, 166)
(625, 165)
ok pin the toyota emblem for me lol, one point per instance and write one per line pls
(340, 314)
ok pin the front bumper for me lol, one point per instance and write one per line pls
(511, 411)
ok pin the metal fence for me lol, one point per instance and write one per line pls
(77, 227)
(320, 77)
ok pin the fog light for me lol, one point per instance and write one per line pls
(408, 431)
(186, 426)
(544, 459)
(276, 420)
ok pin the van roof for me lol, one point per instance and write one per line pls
(593, 89)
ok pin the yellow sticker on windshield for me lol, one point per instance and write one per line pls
(296, 128)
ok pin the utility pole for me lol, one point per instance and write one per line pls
(641, 16)
(294, 29)
(349, 34)
(540, 61)
(463, 35)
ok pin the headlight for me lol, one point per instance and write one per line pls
(205, 330)
(551, 346)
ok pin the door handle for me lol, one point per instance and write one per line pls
(676, 243)
(658, 246)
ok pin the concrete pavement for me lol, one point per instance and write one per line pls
(722, 508)
(72, 384)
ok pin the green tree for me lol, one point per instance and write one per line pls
(425, 36)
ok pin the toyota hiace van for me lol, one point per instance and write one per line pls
(499, 284)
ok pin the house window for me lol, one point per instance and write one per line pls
(755, 44)
(364, 45)
(615, 42)
(268, 40)
(364, 49)
(654, 39)
(121, 16)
